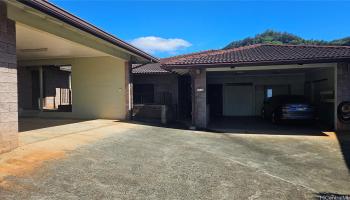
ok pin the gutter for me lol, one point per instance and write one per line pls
(58, 13)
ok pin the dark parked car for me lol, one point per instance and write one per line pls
(288, 107)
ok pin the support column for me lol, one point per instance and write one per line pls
(8, 83)
(41, 89)
(128, 90)
(342, 92)
(199, 98)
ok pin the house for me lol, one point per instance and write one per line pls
(54, 64)
(235, 82)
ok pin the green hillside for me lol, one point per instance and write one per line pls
(274, 37)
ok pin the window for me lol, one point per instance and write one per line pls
(143, 93)
(268, 92)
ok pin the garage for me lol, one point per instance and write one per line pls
(236, 96)
(232, 88)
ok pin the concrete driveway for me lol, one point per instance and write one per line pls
(104, 159)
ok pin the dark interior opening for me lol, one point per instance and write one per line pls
(143, 93)
(185, 97)
(214, 99)
(35, 89)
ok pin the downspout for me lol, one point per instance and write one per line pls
(131, 92)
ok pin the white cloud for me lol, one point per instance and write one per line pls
(154, 44)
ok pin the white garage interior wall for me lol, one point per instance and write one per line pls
(238, 105)
(315, 83)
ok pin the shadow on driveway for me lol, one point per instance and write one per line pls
(344, 143)
(256, 125)
(33, 123)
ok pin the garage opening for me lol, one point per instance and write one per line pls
(45, 64)
(45, 88)
(237, 98)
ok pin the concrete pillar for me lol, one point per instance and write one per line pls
(342, 91)
(199, 98)
(163, 115)
(8, 83)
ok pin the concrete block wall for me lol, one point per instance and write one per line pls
(199, 98)
(343, 90)
(153, 113)
(8, 83)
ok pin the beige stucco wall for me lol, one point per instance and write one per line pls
(98, 87)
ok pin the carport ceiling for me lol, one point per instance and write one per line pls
(35, 44)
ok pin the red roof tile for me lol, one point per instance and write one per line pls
(260, 54)
(152, 68)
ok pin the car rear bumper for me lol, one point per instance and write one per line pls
(297, 116)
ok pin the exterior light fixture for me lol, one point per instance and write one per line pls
(67, 68)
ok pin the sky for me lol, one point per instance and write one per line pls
(167, 28)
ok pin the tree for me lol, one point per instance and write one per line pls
(274, 37)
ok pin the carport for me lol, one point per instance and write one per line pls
(239, 94)
(231, 85)
(55, 65)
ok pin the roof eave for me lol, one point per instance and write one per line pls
(151, 73)
(260, 63)
(60, 14)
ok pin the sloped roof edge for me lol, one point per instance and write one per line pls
(56, 12)
(260, 54)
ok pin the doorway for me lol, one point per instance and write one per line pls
(185, 97)
(215, 100)
(35, 89)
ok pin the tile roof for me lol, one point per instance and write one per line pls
(152, 68)
(260, 54)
